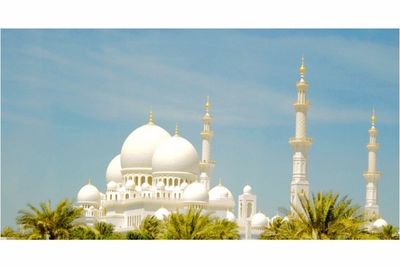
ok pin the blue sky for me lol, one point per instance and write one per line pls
(71, 97)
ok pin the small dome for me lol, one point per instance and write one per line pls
(195, 192)
(380, 223)
(161, 213)
(91, 208)
(176, 155)
(88, 194)
(247, 189)
(145, 186)
(230, 216)
(183, 185)
(259, 220)
(130, 185)
(160, 185)
(112, 186)
(139, 147)
(220, 192)
(113, 172)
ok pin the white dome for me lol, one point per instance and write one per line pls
(145, 186)
(220, 192)
(88, 194)
(230, 216)
(138, 148)
(176, 155)
(195, 192)
(130, 185)
(380, 223)
(183, 185)
(160, 185)
(113, 172)
(112, 186)
(247, 189)
(259, 220)
(161, 213)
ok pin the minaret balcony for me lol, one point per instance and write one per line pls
(371, 176)
(300, 141)
(373, 147)
(206, 135)
(301, 106)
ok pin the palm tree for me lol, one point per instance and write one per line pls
(224, 229)
(135, 235)
(388, 232)
(280, 229)
(190, 225)
(151, 227)
(45, 223)
(103, 230)
(83, 232)
(327, 217)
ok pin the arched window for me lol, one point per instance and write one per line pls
(150, 180)
(158, 195)
(130, 178)
(116, 197)
(127, 196)
(136, 180)
(176, 182)
(142, 180)
(170, 181)
(110, 197)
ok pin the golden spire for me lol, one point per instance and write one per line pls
(373, 117)
(89, 182)
(302, 68)
(176, 129)
(151, 116)
(208, 104)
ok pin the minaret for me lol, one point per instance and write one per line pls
(206, 164)
(300, 143)
(372, 174)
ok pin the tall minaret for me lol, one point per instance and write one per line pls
(300, 143)
(372, 174)
(206, 164)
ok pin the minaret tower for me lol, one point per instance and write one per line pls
(300, 143)
(206, 164)
(372, 174)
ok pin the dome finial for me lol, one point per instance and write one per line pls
(208, 104)
(151, 116)
(89, 182)
(220, 181)
(302, 68)
(176, 129)
(373, 117)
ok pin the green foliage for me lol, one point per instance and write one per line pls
(104, 230)
(195, 225)
(151, 227)
(82, 232)
(325, 216)
(136, 235)
(387, 232)
(46, 223)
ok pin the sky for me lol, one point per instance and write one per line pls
(69, 98)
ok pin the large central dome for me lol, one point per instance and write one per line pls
(138, 148)
(176, 155)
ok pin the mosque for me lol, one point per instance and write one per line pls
(156, 174)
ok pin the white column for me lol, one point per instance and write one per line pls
(206, 163)
(372, 175)
(300, 143)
